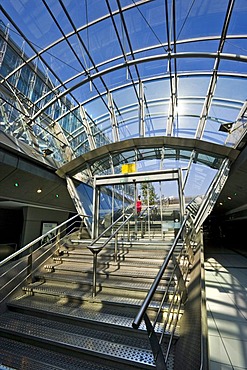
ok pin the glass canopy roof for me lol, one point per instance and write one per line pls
(77, 75)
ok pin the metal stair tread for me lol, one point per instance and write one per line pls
(143, 244)
(89, 311)
(78, 294)
(116, 346)
(40, 358)
(112, 269)
(123, 262)
(103, 282)
(158, 254)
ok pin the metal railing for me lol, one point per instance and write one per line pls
(213, 192)
(95, 249)
(179, 276)
(182, 258)
(22, 264)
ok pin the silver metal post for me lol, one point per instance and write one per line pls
(94, 273)
(116, 247)
(128, 230)
(142, 233)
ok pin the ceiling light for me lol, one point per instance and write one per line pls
(226, 127)
(39, 190)
(229, 198)
(47, 152)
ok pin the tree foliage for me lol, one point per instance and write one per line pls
(148, 190)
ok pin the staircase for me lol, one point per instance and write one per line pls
(55, 323)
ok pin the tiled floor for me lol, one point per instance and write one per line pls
(226, 292)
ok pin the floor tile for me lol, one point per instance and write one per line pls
(237, 351)
(226, 292)
(232, 329)
(217, 350)
(219, 366)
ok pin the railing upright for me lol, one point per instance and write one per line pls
(25, 264)
(96, 249)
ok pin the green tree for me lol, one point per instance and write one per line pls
(148, 188)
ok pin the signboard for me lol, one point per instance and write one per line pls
(46, 227)
(128, 168)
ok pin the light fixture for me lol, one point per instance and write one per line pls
(39, 191)
(47, 152)
(229, 198)
(226, 127)
(16, 184)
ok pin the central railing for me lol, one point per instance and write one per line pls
(95, 249)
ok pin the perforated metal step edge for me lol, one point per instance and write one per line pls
(111, 283)
(43, 331)
(112, 270)
(143, 243)
(101, 297)
(123, 260)
(35, 358)
(62, 308)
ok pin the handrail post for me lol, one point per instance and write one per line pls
(141, 220)
(116, 247)
(129, 230)
(95, 254)
(58, 235)
(30, 265)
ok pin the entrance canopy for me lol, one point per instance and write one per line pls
(77, 76)
(97, 86)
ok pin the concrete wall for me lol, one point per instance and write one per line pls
(33, 218)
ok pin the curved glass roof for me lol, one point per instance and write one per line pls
(77, 75)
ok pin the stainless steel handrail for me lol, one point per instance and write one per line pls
(190, 236)
(26, 265)
(29, 245)
(139, 317)
(106, 230)
(96, 249)
(92, 246)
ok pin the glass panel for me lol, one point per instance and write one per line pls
(92, 50)
(186, 126)
(199, 179)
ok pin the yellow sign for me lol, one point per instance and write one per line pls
(128, 167)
